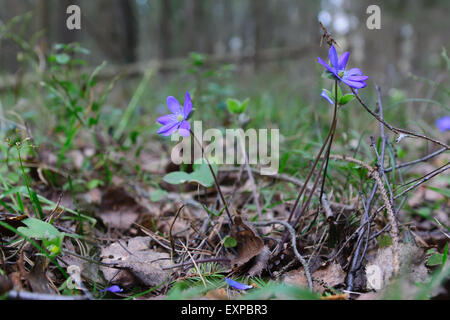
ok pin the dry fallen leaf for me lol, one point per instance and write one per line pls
(118, 209)
(380, 268)
(329, 276)
(135, 260)
(248, 245)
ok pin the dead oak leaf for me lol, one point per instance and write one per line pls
(248, 245)
(135, 260)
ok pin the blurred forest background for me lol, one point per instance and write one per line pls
(127, 31)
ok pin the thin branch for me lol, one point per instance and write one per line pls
(395, 129)
(291, 231)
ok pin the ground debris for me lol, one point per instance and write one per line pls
(135, 261)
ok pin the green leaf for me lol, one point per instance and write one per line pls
(62, 58)
(158, 195)
(94, 183)
(234, 106)
(176, 177)
(229, 242)
(48, 234)
(384, 241)
(346, 99)
(435, 259)
(202, 174)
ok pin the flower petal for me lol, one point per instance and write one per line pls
(357, 78)
(353, 72)
(114, 289)
(331, 69)
(168, 129)
(332, 55)
(342, 61)
(167, 119)
(443, 124)
(237, 285)
(187, 108)
(325, 95)
(184, 129)
(354, 84)
(173, 105)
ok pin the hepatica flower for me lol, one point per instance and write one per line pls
(443, 123)
(354, 77)
(113, 289)
(237, 285)
(177, 120)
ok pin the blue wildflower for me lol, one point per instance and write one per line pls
(113, 289)
(325, 95)
(443, 124)
(178, 119)
(354, 77)
(237, 285)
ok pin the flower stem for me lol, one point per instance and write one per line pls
(216, 182)
(302, 190)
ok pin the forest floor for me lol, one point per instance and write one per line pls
(87, 210)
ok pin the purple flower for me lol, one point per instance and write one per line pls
(325, 95)
(353, 78)
(443, 123)
(114, 289)
(237, 285)
(178, 119)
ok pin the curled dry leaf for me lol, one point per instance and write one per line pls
(135, 260)
(249, 244)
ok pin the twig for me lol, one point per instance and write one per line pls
(297, 182)
(423, 159)
(291, 231)
(391, 216)
(219, 190)
(25, 295)
(398, 130)
(195, 264)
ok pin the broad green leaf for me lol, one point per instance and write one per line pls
(41, 230)
(346, 99)
(176, 177)
(234, 106)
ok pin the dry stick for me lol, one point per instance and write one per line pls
(252, 181)
(195, 264)
(297, 182)
(291, 231)
(395, 129)
(172, 242)
(424, 179)
(306, 204)
(391, 216)
(423, 159)
(214, 176)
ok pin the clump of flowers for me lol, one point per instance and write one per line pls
(178, 119)
(354, 77)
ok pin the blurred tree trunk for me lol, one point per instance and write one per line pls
(127, 29)
(257, 8)
(165, 36)
(64, 35)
